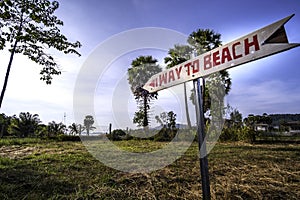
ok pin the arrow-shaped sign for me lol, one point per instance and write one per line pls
(264, 42)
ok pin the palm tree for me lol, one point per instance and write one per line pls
(26, 125)
(75, 129)
(204, 40)
(4, 124)
(177, 55)
(42, 130)
(142, 68)
(88, 122)
(55, 129)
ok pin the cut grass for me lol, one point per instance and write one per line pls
(66, 170)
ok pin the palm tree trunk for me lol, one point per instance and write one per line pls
(186, 107)
(88, 130)
(145, 122)
(10, 61)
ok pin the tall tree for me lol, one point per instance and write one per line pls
(142, 68)
(177, 55)
(88, 123)
(30, 27)
(204, 40)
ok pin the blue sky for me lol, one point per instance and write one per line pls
(269, 85)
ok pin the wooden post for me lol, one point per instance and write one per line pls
(109, 130)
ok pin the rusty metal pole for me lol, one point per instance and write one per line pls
(201, 139)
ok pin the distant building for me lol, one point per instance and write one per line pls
(261, 127)
(294, 127)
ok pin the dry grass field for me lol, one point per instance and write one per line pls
(39, 169)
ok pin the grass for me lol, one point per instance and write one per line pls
(65, 170)
(18, 141)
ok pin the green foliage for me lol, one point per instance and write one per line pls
(251, 120)
(88, 123)
(204, 40)
(247, 134)
(31, 28)
(56, 129)
(139, 117)
(177, 55)
(75, 129)
(167, 120)
(278, 119)
(229, 134)
(142, 68)
(32, 25)
(4, 124)
(118, 134)
(26, 125)
(236, 118)
(8, 141)
(235, 131)
(70, 138)
(29, 125)
(164, 135)
(42, 131)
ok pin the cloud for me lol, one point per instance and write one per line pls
(26, 92)
(275, 96)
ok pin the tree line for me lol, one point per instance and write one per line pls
(30, 125)
(235, 127)
(30, 27)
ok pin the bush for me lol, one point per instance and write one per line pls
(247, 134)
(229, 134)
(71, 138)
(117, 134)
(165, 135)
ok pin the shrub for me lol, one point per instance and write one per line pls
(117, 134)
(165, 135)
(229, 134)
(247, 134)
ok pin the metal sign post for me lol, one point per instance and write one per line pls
(201, 138)
(264, 42)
